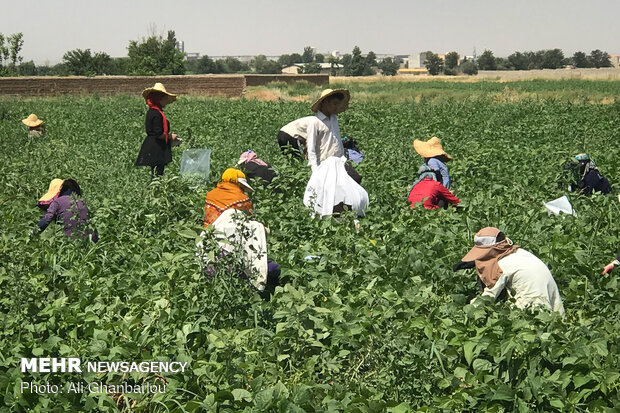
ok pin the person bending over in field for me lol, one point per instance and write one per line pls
(331, 189)
(501, 265)
(292, 137)
(428, 191)
(254, 167)
(226, 209)
(323, 131)
(35, 125)
(156, 150)
(587, 177)
(62, 202)
(435, 157)
(231, 192)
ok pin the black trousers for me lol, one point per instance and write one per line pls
(290, 145)
(353, 173)
(157, 169)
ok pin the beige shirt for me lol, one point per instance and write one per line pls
(528, 280)
(297, 128)
(323, 139)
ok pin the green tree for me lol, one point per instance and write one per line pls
(262, 65)
(452, 60)
(599, 58)
(10, 46)
(333, 61)
(357, 65)
(552, 59)
(308, 55)
(469, 67)
(486, 61)
(312, 67)
(155, 56)
(82, 63)
(519, 61)
(388, 66)
(433, 63)
(206, 65)
(285, 60)
(319, 58)
(371, 59)
(27, 69)
(580, 59)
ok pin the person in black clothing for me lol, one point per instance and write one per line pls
(255, 167)
(587, 175)
(156, 150)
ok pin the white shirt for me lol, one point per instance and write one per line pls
(323, 139)
(528, 280)
(297, 128)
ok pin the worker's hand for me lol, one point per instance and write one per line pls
(463, 265)
(174, 136)
(608, 268)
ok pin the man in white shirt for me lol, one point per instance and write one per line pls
(323, 131)
(501, 265)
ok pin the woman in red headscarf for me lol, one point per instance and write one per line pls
(156, 150)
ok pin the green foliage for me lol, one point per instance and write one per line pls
(263, 65)
(83, 63)
(388, 67)
(312, 67)
(308, 55)
(486, 61)
(469, 67)
(10, 46)
(433, 63)
(378, 323)
(452, 60)
(155, 56)
(598, 58)
(355, 64)
(580, 59)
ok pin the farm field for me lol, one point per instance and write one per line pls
(378, 323)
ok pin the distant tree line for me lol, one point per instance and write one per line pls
(158, 55)
(542, 59)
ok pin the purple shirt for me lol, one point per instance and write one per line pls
(74, 216)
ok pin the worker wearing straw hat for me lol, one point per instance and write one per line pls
(323, 130)
(156, 150)
(35, 125)
(435, 157)
(501, 265)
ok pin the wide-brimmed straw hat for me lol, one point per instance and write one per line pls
(344, 104)
(237, 177)
(483, 240)
(161, 89)
(430, 148)
(53, 191)
(32, 121)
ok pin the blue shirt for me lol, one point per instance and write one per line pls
(437, 165)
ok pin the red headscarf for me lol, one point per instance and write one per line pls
(154, 102)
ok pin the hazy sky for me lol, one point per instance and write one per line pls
(274, 27)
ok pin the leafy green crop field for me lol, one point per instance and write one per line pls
(379, 323)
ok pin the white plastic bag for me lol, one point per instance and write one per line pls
(196, 161)
(559, 205)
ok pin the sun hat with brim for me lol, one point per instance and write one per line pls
(237, 177)
(53, 191)
(161, 89)
(32, 121)
(483, 240)
(430, 148)
(344, 104)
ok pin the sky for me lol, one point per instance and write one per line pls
(275, 27)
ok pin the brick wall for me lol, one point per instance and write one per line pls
(261, 80)
(213, 85)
